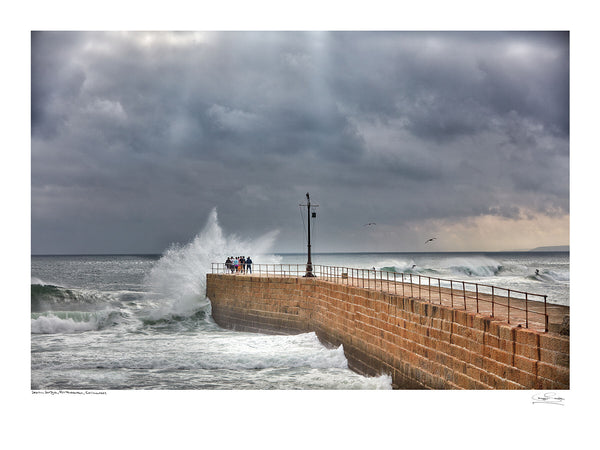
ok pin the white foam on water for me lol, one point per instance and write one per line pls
(259, 351)
(51, 324)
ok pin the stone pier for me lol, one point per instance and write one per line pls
(422, 345)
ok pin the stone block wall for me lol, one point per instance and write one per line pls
(420, 344)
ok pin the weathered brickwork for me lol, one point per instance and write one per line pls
(421, 345)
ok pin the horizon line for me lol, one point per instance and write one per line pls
(320, 253)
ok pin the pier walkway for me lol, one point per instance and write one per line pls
(517, 308)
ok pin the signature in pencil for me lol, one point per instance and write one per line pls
(548, 398)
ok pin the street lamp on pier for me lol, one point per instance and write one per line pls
(309, 268)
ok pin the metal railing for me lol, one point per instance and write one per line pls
(482, 298)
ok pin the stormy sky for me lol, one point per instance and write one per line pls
(462, 136)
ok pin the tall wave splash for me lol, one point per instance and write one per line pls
(177, 282)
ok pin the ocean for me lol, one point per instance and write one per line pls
(143, 322)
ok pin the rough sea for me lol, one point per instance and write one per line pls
(130, 322)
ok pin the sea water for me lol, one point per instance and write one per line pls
(114, 322)
(541, 273)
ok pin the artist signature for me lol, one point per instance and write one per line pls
(548, 398)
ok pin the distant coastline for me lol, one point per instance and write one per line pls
(552, 248)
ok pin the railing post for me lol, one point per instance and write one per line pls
(403, 295)
(440, 290)
(451, 294)
(411, 286)
(429, 289)
(419, 286)
(477, 297)
(508, 300)
(492, 301)
(526, 312)
(545, 314)
(464, 295)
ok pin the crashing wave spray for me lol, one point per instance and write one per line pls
(178, 280)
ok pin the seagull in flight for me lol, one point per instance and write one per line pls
(370, 223)
(429, 240)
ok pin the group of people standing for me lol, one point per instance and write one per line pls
(239, 264)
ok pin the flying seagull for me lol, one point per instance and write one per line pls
(429, 240)
(370, 223)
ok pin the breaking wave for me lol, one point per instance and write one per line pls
(72, 321)
(468, 266)
(475, 267)
(46, 297)
(177, 282)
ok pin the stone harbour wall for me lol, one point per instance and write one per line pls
(420, 344)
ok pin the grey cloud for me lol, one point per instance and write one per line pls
(451, 84)
(152, 131)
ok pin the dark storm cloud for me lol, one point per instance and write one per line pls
(449, 84)
(136, 136)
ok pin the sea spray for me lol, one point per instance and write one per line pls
(35, 280)
(177, 282)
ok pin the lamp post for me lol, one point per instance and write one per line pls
(309, 268)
